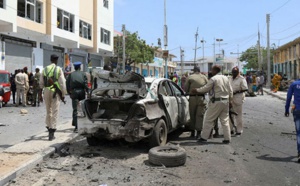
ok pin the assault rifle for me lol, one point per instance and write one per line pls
(59, 92)
(231, 112)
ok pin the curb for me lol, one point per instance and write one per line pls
(275, 95)
(36, 159)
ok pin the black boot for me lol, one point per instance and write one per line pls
(192, 134)
(34, 104)
(47, 128)
(216, 135)
(198, 135)
(51, 134)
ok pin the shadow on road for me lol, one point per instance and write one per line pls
(267, 157)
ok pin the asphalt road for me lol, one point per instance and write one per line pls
(264, 155)
(15, 127)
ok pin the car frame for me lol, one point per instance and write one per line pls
(161, 107)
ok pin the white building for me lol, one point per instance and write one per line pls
(205, 66)
(32, 30)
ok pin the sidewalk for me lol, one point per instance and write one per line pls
(280, 94)
(23, 156)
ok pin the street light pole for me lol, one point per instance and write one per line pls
(203, 41)
(268, 51)
(165, 37)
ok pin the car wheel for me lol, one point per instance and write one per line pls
(159, 135)
(169, 156)
(1, 104)
(92, 141)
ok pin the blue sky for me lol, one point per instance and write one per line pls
(235, 21)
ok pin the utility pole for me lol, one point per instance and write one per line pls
(165, 37)
(203, 41)
(214, 51)
(124, 56)
(258, 52)
(181, 59)
(196, 38)
(238, 58)
(268, 51)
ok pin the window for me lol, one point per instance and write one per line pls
(1, 3)
(164, 89)
(105, 36)
(30, 9)
(85, 30)
(294, 52)
(105, 3)
(176, 90)
(290, 52)
(65, 20)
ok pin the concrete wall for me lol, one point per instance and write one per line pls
(8, 17)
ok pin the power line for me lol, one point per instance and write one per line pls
(280, 7)
(286, 29)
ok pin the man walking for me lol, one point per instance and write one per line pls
(52, 76)
(294, 90)
(197, 104)
(239, 87)
(21, 81)
(36, 87)
(13, 86)
(261, 83)
(220, 94)
(76, 86)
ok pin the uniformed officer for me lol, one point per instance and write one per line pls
(51, 75)
(239, 87)
(36, 87)
(197, 103)
(76, 86)
(220, 94)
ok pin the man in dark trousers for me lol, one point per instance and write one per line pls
(294, 90)
(77, 86)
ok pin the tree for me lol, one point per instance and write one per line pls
(136, 49)
(251, 57)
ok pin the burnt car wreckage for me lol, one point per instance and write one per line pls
(128, 107)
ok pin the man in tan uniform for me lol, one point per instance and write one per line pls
(197, 104)
(22, 84)
(52, 103)
(220, 94)
(239, 86)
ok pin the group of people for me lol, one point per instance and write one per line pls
(224, 94)
(21, 81)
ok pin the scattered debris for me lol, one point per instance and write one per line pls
(2, 125)
(23, 111)
(270, 123)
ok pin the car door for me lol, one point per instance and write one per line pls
(183, 103)
(170, 102)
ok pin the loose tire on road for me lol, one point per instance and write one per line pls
(169, 156)
(159, 135)
(92, 141)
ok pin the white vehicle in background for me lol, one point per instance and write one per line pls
(132, 108)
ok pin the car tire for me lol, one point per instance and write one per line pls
(1, 104)
(168, 156)
(92, 141)
(159, 135)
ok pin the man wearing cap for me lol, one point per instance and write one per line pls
(197, 104)
(239, 87)
(220, 95)
(76, 86)
(51, 75)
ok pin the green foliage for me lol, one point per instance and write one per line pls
(251, 57)
(136, 49)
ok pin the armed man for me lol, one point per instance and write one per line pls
(77, 86)
(239, 87)
(197, 103)
(36, 87)
(220, 95)
(54, 83)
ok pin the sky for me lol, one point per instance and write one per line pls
(235, 21)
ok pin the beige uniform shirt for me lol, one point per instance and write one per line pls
(22, 81)
(61, 81)
(195, 81)
(238, 84)
(218, 86)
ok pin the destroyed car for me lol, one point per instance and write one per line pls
(128, 107)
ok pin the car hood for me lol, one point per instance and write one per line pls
(107, 80)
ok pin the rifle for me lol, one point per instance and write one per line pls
(231, 112)
(59, 92)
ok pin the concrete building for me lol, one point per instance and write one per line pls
(32, 30)
(205, 65)
(286, 59)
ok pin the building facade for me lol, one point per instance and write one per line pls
(286, 59)
(205, 65)
(32, 30)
